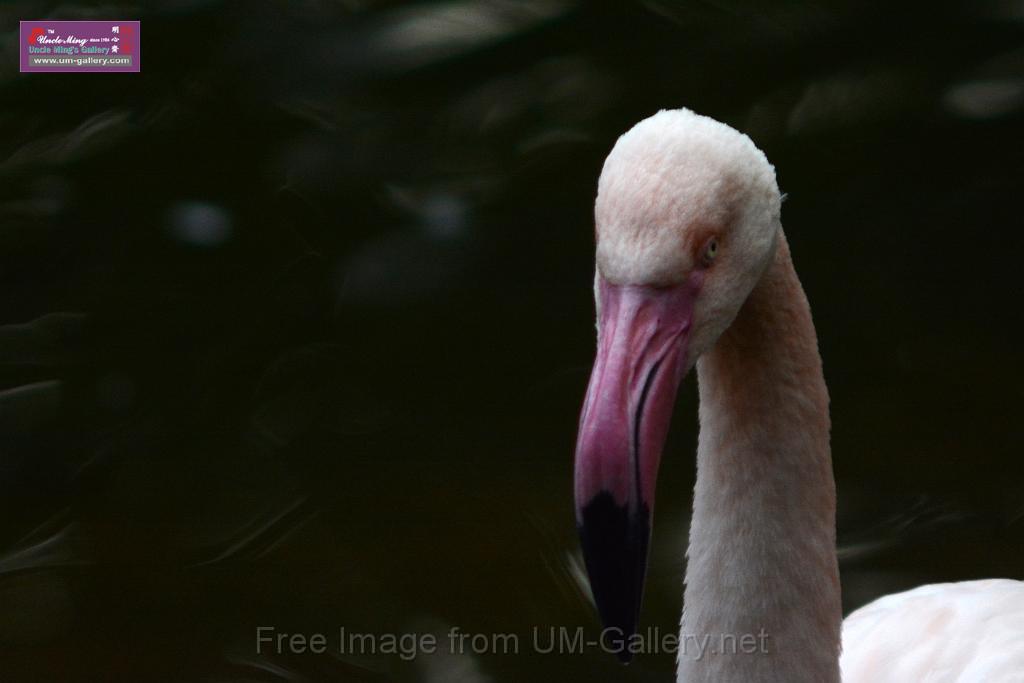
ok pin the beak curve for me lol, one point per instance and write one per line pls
(643, 334)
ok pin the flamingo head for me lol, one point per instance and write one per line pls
(687, 215)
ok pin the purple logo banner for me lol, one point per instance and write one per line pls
(63, 46)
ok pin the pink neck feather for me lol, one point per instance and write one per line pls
(762, 583)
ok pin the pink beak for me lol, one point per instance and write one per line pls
(641, 358)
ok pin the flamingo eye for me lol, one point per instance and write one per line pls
(710, 251)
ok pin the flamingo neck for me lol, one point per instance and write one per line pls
(762, 598)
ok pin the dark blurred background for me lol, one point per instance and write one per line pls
(296, 323)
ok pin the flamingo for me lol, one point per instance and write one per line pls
(693, 268)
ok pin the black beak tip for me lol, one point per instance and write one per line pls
(615, 542)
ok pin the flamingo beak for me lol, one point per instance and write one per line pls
(643, 334)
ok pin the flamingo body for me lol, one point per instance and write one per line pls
(693, 270)
(967, 632)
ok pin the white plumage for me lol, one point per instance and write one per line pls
(690, 245)
(966, 632)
